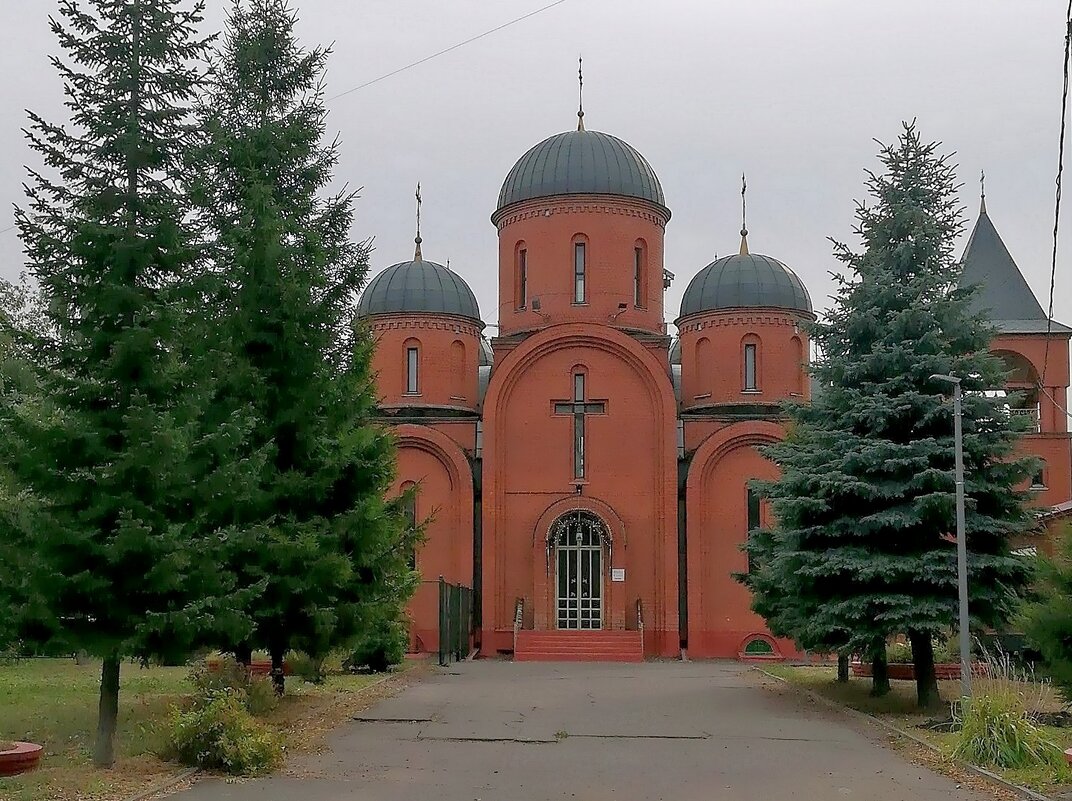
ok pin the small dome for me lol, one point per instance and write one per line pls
(418, 286)
(487, 355)
(745, 280)
(675, 351)
(581, 163)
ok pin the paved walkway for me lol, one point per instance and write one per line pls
(499, 731)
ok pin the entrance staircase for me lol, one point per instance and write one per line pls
(579, 646)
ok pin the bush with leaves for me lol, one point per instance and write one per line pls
(1047, 619)
(227, 675)
(222, 735)
(309, 668)
(383, 644)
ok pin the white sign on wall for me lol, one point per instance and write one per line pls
(617, 574)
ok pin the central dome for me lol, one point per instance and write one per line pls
(581, 163)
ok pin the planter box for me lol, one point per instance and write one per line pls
(20, 759)
(945, 671)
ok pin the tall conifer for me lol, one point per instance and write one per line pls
(105, 449)
(865, 503)
(317, 534)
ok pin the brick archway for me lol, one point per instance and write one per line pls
(543, 600)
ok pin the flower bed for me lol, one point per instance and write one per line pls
(21, 757)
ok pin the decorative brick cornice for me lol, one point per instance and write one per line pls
(741, 319)
(456, 325)
(581, 204)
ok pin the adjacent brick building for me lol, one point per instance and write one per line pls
(585, 469)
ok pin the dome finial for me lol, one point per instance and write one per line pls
(744, 217)
(982, 192)
(580, 93)
(417, 250)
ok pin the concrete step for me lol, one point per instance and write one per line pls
(579, 646)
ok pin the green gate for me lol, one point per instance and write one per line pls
(455, 621)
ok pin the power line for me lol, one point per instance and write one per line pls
(1057, 200)
(447, 50)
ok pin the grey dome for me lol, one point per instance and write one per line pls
(675, 350)
(745, 280)
(581, 163)
(418, 286)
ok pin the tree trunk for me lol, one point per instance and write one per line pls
(107, 713)
(923, 660)
(880, 674)
(243, 654)
(278, 679)
(843, 668)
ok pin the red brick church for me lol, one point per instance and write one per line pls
(585, 471)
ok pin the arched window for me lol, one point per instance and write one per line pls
(640, 274)
(1038, 479)
(752, 504)
(522, 280)
(750, 364)
(413, 366)
(458, 368)
(409, 511)
(580, 268)
(704, 368)
(799, 365)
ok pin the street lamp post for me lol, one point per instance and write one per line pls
(962, 545)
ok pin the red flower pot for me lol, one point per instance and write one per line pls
(23, 757)
(1068, 756)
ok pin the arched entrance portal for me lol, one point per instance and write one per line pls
(579, 540)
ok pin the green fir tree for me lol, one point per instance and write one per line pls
(317, 537)
(865, 503)
(104, 448)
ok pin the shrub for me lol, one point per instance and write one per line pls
(222, 735)
(899, 653)
(306, 667)
(226, 674)
(218, 673)
(382, 645)
(1047, 619)
(260, 696)
(996, 731)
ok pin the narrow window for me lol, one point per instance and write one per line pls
(522, 278)
(638, 276)
(753, 520)
(1038, 479)
(578, 425)
(412, 371)
(578, 271)
(479, 439)
(409, 511)
(750, 367)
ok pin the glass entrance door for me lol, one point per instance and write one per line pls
(579, 572)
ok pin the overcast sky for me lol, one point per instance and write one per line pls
(792, 91)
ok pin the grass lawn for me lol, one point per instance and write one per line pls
(54, 702)
(899, 708)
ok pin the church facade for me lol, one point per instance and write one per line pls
(583, 470)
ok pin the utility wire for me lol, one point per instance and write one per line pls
(447, 50)
(1057, 200)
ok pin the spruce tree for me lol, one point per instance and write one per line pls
(865, 502)
(104, 448)
(318, 538)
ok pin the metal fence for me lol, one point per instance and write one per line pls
(455, 621)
